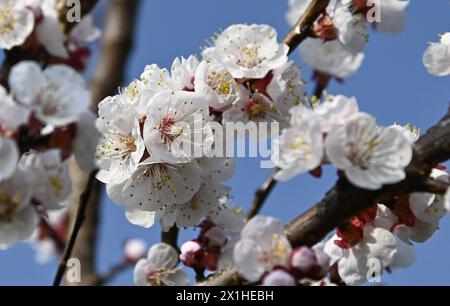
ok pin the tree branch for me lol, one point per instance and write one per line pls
(84, 200)
(116, 44)
(301, 29)
(262, 194)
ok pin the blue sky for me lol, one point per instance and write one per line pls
(392, 85)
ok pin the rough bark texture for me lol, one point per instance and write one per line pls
(116, 44)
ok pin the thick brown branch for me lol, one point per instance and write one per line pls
(301, 29)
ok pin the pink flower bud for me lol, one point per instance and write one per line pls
(303, 259)
(134, 249)
(191, 253)
(279, 278)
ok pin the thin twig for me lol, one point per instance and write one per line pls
(113, 272)
(262, 194)
(84, 199)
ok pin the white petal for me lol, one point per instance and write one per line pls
(26, 81)
(145, 219)
(9, 157)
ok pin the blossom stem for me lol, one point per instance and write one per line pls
(113, 272)
(84, 200)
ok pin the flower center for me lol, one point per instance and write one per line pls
(254, 108)
(116, 147)
(159, 277)
(360, 153)
(8, 205)
(170, 129)
(278, 251)
(7, 20)
(250, 57)
(220, 83)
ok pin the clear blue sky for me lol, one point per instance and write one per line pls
(392, 85)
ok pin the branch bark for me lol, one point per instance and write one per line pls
(116, 44)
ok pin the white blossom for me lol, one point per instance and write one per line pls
(121, 145)
(9, 157)
(50, 32)
(58, 95)
(335, 112)
(330, 57)
(299, 148)
(353, 263)
(437, 57)
(256, 108)
(17, 23)
(159, 268)
(352, 29)
(250, 51)
(13, 115)
(287, 87)
(18, 219)
(175, 129)
(183, 72)
(262, 247)
(279, 278)
(153, 190)
(216, 84)
(369, 155)
(50, 176)
(134, 249)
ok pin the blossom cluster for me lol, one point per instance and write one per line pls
(335, 48)
(34, 26)
(336, 132)
(437, 57)
(44, 120)
(150, 129)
